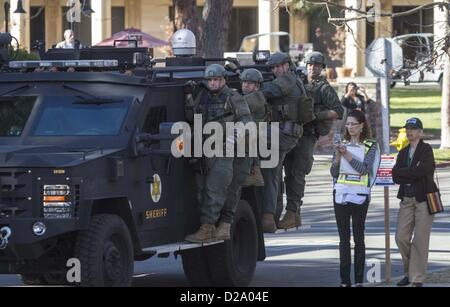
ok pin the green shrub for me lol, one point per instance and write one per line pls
(23, 55)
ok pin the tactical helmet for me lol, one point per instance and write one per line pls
(315, 58)
(278, 58)
(252, 75)
(215, 71)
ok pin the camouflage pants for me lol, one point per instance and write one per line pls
(212, 189)
(269, 193)
(241, 170)
(297, 165)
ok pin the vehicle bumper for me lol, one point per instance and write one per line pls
(23, 244)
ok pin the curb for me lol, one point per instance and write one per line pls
(443, 165)
(394, 280)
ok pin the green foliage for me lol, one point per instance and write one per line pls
(302, 6)
(23, 55)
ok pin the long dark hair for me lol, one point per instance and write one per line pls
(348, 85)
(361, 118)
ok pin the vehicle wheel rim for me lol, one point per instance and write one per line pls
(113, 263)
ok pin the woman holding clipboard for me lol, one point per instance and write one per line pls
(354, 168)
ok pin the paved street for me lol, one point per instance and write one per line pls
(309, 257)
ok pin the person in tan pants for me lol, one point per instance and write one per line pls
(413, 217)
(414, 172)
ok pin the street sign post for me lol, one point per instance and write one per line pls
(384, 178)
(384, 56)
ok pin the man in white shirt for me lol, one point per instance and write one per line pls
(69, 40)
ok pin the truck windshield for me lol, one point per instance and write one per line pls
(60, 116)
(14, 114)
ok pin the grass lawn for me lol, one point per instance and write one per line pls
(441, 155)
(423, 103)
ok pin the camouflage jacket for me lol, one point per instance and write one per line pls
(224, 106)
(325, 99)
(286, 97)
(258, 106)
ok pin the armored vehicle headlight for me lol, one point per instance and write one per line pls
(56, 190)
(57, 202)
(39, 228)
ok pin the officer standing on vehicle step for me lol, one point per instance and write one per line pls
(216, 103)
(291, 108)
(299, 162)
(242, 166)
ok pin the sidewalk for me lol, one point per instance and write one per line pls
(439, 278)
(436, 279)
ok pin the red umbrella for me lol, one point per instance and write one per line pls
(144, 39)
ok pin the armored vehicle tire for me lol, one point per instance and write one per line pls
(196, 268)
(233, 263)
(105, 251)
(33, 279)
(56, 279)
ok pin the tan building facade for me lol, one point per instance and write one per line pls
(46, 19)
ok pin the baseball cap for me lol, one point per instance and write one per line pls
(414, 123)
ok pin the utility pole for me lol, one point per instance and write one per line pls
(7, 6)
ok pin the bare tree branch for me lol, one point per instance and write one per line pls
(393, 15)
(286, 3)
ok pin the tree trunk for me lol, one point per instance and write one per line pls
(216, 23)
(445, 132)
(186, 17)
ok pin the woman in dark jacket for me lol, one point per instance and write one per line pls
(414, 172)
(355, 98)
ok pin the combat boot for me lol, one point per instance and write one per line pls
(255, 178)
(268, 223)
(205, 234)
(298, 219)
(223, 231)
(290, 220)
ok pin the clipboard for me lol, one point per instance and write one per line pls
(357, 151)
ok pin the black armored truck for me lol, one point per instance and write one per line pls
(87, 176)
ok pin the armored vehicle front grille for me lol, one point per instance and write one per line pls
(15, 192)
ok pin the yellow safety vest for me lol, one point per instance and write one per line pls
(357, 180)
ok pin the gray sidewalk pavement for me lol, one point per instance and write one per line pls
(435, 279)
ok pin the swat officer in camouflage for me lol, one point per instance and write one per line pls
(251, 84)
(291, 108)
(299, 162)
(252, 80)
(216, 103)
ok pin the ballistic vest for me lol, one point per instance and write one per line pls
(287, 107)
(258, 106)
(224, 106)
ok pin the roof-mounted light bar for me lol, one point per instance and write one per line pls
(64, 64)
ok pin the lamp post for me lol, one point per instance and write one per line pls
(6, 6)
